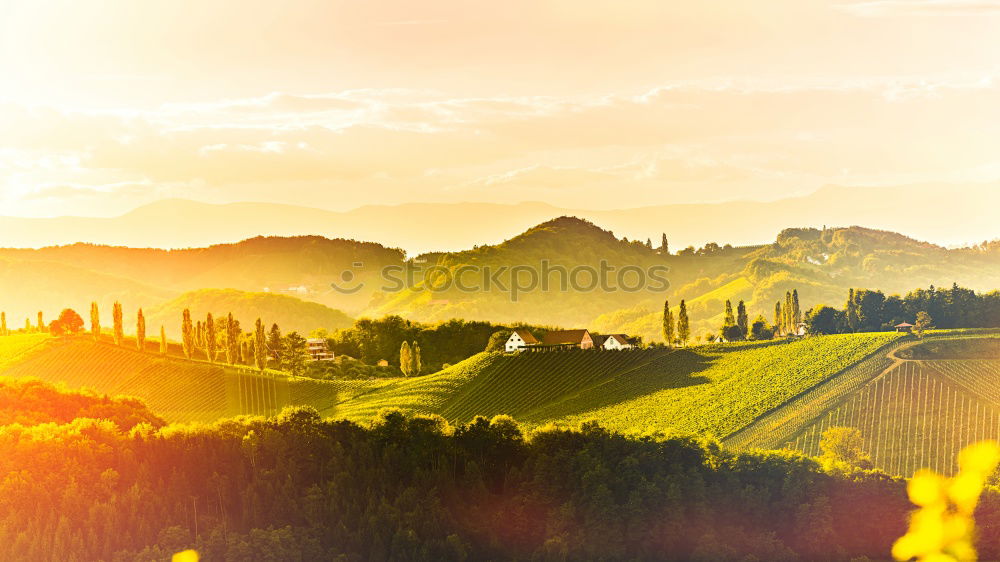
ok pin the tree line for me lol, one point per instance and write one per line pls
(297, 487)
(868, 310)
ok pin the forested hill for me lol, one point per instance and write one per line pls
(569, 253)
(50, 278)
(822, 264)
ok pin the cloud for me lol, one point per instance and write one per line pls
(879, 8)
(685, 141)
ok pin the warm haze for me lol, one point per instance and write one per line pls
(583, 106)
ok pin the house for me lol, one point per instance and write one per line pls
(519, 340)
(615, 341)
(319, 350)
(568, 338)
(905, 328)
(383, 363)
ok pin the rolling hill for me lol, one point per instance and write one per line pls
(916, 402)
(717, 389)
(290, 313)
(953, 220)
(176, 389)
(822, 264)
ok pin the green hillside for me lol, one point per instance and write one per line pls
(290, 313)
(178, 390)
(715, 389)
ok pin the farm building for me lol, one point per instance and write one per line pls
(569, 338)
(319, 350)
(519, 340)
(905, 327)
(613, 341)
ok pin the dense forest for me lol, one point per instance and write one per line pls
(297, 487)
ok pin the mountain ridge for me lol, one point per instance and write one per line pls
(945, 213)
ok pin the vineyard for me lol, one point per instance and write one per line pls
(715, 389)
(916, 416)
(176, 389)
(16, 346)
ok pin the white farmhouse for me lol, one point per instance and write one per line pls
(519, 340)
(616, 341)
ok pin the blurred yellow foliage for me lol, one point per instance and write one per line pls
(943, 529)
(186, 556)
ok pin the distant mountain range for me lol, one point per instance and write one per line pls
(946, 214)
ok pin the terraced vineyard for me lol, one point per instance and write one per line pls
(176, 389)
(917, 415)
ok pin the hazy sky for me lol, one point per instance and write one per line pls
(106, 105)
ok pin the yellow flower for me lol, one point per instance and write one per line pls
(186, 556)
(943, 528)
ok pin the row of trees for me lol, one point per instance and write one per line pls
(222, 339)
(869, 310)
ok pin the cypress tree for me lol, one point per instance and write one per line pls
(233, 334)
(163, 340)
(119, 328)
(3, 323)
(853, 319)
(95, 320)
(664, 247)
(742, 319)
(211, 342)
(27, 325)
(187, 334)
(779, 326)
(789, 328)
(729, 320)
(140, 331)
(405, 359)
(41, 322)
(415, 365)
(274, 345)
(796, 311)
(683, 326)
(668, 323)
(244, 350)
(260, 345)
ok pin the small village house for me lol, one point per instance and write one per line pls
(519, 340)
(905, 328)
(319, 350)
(613, 342)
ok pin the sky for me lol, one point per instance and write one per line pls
(109, 105)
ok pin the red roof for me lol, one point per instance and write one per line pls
(526, 336)
(561, 337)
(904, 325)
